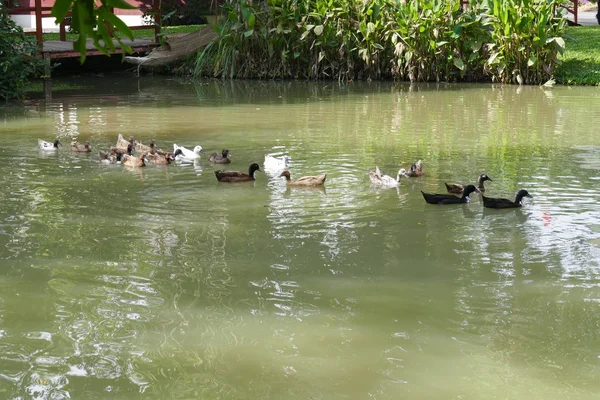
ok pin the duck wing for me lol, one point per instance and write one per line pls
(436, 198)
(454, 188)
(492, 202)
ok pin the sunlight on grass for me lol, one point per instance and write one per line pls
(581, 61)
(141, 33)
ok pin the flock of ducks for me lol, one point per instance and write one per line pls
(122, 153)
(381, 180)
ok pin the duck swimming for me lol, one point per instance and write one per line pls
(236, 176)
(131, 161)
(81, 147)
(161, 159)
(458, 189)
(382, 180)
(49, 146)
(491, 202)
(187, 154)
(305, 180)
(122, 143)
(142, 148)
(416, 170)
(222, 158)
(110, 158)
(448, 198)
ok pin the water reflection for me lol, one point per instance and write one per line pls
(161, 282)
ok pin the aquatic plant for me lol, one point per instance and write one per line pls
(429, 40)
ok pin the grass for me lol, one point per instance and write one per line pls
(139, 33)
(581, 60)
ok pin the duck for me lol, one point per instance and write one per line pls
(416, 169)
(275, 165)
(142, 148)
(131, 161)
(236, 176)
(222, 158)
(458, 189)
(109, 158)
(491, 202)
(122, 143)
(49, 146)
(448, 198)
(81, 147)
(305, 180)
(161, 159)
(117, 150)
(188, 154)
(382, 180)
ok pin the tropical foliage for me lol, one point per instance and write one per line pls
(95, 21)
(430, 40)
(17, 58)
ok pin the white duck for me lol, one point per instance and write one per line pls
(187, 154)
(274, 165)
(48, 146)
(382, 180)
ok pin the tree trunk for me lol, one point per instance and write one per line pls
(176, 49)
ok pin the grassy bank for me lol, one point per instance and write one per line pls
(140, 33)
(581, 60)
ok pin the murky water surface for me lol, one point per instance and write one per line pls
(162, 283)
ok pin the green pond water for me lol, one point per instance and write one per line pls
(162, 283)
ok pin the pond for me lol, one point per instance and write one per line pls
(163, 283)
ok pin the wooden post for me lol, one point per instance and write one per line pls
(575, 4)
(38, 22)
(156, 9)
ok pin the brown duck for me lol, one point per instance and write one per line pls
(305, 180)
(131, 161)
(458, 189)
(122, 143)
(222, 158)
(81, 147)
(236, 176)
(416, 170)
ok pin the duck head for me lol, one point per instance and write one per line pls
(130, 148)
(132, 140)
(469, 189)
(402, 172)
(88, 145)
(225, 153)
(57, 143)
(484, 177)
(198, 150)
(253, 168)
(286, 173)
(522, 193)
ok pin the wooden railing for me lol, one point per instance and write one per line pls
(41, 12)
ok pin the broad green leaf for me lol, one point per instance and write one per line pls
(318, 30)
(532, 60)
(119, 24)
(458, 63)
(370, 27)
(251, 21)
(60, 10)
(248, 33)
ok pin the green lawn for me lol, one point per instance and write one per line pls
(581, 61)
(141, 33)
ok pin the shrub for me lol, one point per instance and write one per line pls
(18, 62)
(428, 40)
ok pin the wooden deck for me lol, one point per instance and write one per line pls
(64, 49)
